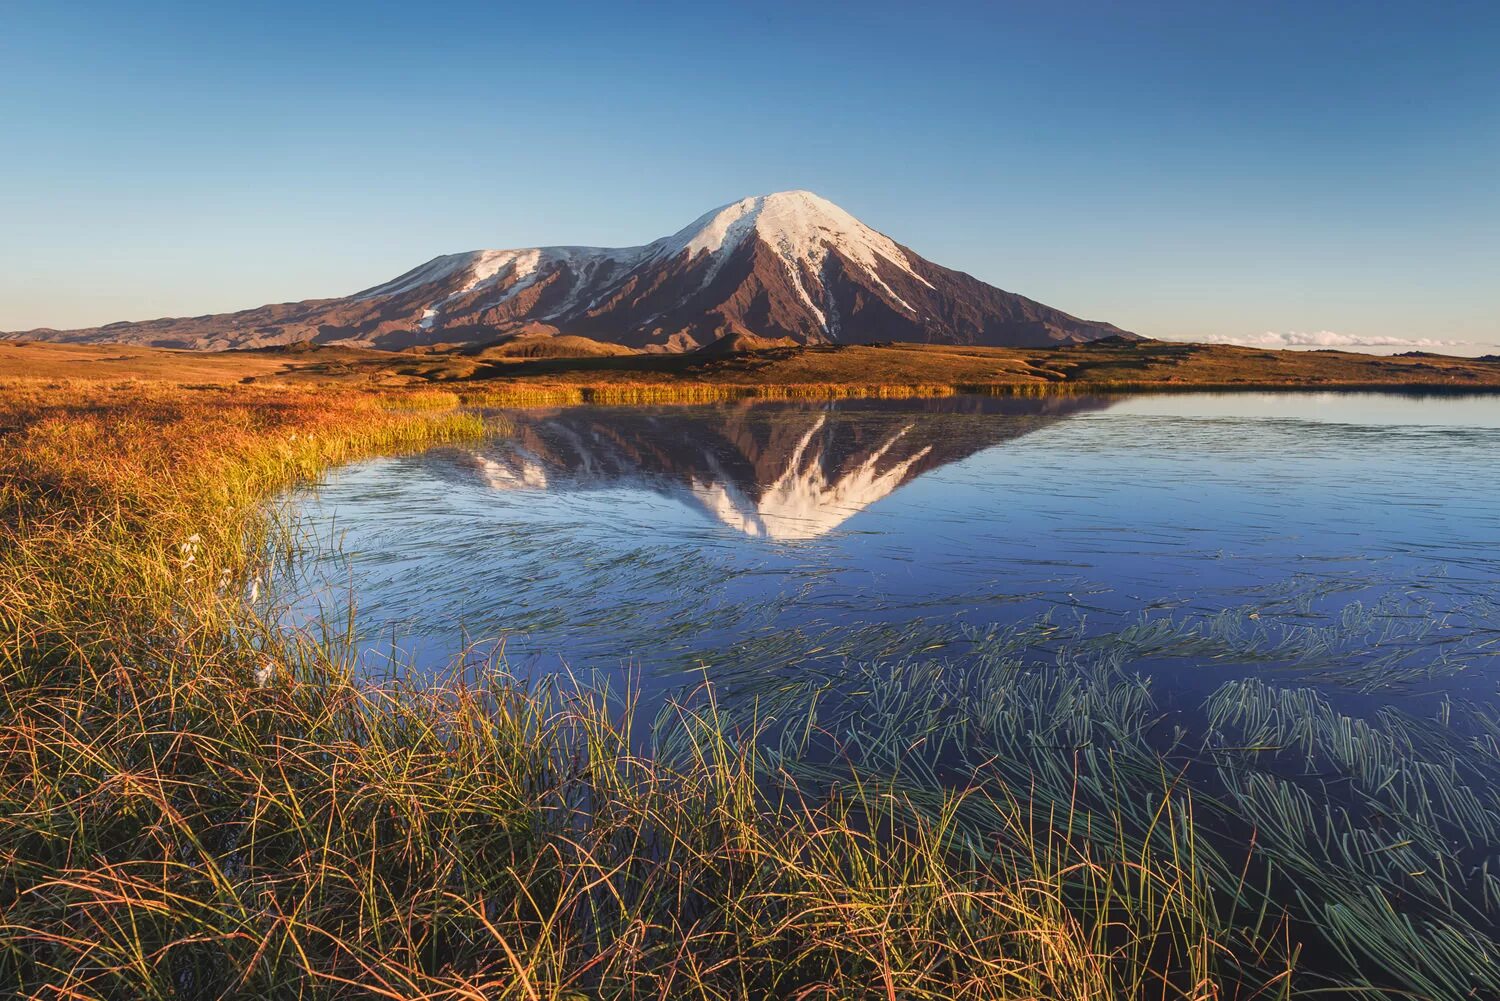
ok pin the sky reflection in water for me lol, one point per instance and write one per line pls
(762, 539)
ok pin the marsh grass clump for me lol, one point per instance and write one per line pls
(420, 399)
(1372, 844)
(487, 839)
(131, 509)
(627, 393)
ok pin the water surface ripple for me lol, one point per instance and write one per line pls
(1350, 539)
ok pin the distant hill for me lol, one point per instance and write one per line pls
(544, 346)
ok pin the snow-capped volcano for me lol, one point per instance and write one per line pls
(802, 230)
(789, 264)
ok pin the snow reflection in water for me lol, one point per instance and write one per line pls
(767, 539)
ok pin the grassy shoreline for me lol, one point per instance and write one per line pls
(197, 807)
(610, 394)
(193, 804)
(489, 375)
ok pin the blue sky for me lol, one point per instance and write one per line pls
(1202, 169)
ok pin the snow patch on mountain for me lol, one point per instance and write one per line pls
(436, 270)
(523, 268)
(489, 268)
(799, 225)
(800, 228)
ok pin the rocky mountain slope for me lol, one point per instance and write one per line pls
(787, 265)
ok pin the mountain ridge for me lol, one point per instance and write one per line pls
(786, 265)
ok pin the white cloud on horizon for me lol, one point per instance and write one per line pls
(1309, 340)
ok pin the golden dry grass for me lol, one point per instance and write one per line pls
(849, 370)
(194, 804)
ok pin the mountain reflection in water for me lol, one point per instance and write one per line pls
(788, 473)
(761, 540)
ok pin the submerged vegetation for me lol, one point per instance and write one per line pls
(195, 803)
(1359, 852)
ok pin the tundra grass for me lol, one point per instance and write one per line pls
(195, 804)
(894, 370)
(524, 393)
(626, 393)
(1371, 844)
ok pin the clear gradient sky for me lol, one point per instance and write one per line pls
(1192, 169)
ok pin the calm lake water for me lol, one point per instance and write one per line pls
(1353, 540)
(1279, 612)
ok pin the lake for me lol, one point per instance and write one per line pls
(1054, 616)
(1353, 539)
